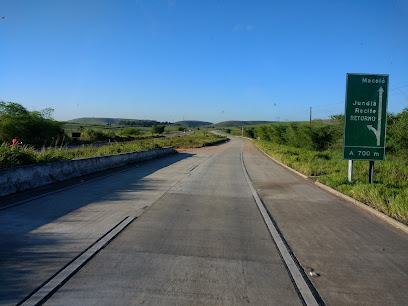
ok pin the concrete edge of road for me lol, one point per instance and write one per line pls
(349, 199)
(22, 178)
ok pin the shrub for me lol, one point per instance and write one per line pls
(98, 135)
(158, 129)
(16, 156)
(316, 137)
(397, 135)
(130, 131)
(249, 132)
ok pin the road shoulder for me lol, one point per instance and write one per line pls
(354, 257)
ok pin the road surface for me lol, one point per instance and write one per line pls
(187, 229)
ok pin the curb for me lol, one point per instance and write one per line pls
(349, 199)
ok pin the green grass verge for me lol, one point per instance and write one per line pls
(388, 193)
(27, 155)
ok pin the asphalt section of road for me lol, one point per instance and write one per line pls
(351, 256)
(203, 242)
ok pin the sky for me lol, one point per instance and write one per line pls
(209, 60)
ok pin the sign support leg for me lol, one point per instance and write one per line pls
(350, 170)
(371, 172)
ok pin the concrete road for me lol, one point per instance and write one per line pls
(199, 238)
(361, 259)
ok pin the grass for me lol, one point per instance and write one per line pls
(28, 155)
(388, 193)
(196, 140)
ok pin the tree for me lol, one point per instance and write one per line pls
(36, 128)
(158, 129)
(46, 113)
(12, 109)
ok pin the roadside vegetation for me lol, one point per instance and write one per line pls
(316, 150)
(45, 140)
(39, 129)
(27, 155)
(36, 127)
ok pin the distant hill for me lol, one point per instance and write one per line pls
(122, 121)
(239, 123)
(192, 123)
(97, 120)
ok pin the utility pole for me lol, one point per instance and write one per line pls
(310, 116)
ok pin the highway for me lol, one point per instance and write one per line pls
(222, 225)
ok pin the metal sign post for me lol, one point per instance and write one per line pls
(365, 118)
(371, 172)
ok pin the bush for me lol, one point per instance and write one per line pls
(397, 135)
(98, 135)
(323, 135)
(318, 136)
(158, 129)
(249, 132)
(16, 156)
(276, 133)
(261, 132)
(130, 131)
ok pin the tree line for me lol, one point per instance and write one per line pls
(320, 136)
(142, 123)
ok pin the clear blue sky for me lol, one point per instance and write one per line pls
(210, 60)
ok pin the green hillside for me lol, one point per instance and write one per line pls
(97, 120)
(233, 123)
(192, 123)
(116, 121)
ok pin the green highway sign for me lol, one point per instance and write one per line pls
(365, 116)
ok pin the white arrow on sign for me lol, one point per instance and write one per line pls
(377, 131)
